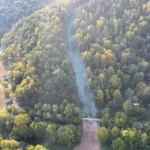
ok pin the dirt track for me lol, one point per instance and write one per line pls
(4, 70)
(88, 141)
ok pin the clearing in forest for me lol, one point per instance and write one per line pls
(88, 141)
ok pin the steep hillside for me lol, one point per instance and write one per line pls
(36, 55)
(113, 38)
(13, 10)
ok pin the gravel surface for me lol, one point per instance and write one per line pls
(88, 141)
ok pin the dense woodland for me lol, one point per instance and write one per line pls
(113, 37)
(57, 123)
(35, 51)
(13, 10)
(123, 132)
(36, 55)
(114, 40)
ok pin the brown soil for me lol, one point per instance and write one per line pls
(4, 70)
(88, 141)
(2, 102)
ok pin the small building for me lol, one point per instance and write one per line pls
(136, 104)
(1, 49)
(141, 125)
(9, 101)
(6, 78)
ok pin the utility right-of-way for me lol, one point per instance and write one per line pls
(88, 107)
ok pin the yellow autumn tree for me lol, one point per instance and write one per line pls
(117, 96)
(37, 30)
(100, 97)
(101, 77)
(124, 58)
(103, 60)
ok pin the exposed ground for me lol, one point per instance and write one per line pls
(88, 141)
(3, 71)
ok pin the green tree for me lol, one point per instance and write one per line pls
(117, 96)
(138, 110)
(127, 105)
(10, 122)
(77, 110)
(110, 71)
(46, 108)
(115, 82)
(40, 147)
(116, 48)
(100, 96)
(9, 144)
(3, 119)
(120, 120)
(66, 66)
(118, 144)
(51, 131)
(37, 106)
(5, 84)
(126, 80)
(124, 58)
(106, 110)
(39, 130)
(144, 138)
(96, 60)
(143, 66)
(132, 69)
(105, 120)
(66, 134)
(102, 135)
(129, 35)
(115, 132)
(140, 87)
(21, 125)
(138, 77)
(107, 44)
(6, 92)
(48, 116)
(128, 93)
(30, 147)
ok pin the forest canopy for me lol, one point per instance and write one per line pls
(13, 10)
(35, 51)
(114, 40)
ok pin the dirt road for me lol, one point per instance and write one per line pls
(4, 70)
(88, 141)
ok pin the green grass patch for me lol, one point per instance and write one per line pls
(57, 146)
(5, 133)
(106, 147)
